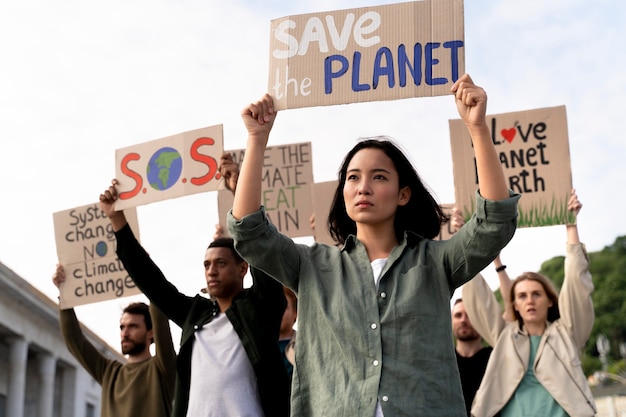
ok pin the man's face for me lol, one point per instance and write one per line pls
(134, 335)
(224, 276)
(461, 325)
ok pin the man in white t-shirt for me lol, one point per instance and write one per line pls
(229, 363)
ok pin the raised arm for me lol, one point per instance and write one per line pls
(164, 347)
(144, 272)
(107, 205)
(483, 309)
(456, 222)
(575, 303)
(259, 118)
(89, 357)
(471, 102)
(229, 170)
(573, 205)
(505, 288)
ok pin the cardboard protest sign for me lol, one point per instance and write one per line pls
(170, 167)
(323, 194)
(287, 179)
(412, 49)
(86, 248)
(446, 228)
(533, 148)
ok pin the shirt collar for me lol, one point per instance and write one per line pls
(410, 239)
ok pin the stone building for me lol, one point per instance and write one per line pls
(38, 375)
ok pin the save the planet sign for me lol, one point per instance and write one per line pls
(412, 49)
(533, 149)
(86, 247)
(170, 167)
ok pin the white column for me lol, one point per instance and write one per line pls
(18, 355)
(47, 367)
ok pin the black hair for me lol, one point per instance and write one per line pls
(421, 215)
(140, 309)
(227, 242)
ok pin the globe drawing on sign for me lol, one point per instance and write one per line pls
(164, 168)
(101, 248)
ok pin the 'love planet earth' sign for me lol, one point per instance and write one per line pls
(403, 50)
(533, 149)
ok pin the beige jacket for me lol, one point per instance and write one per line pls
(557, 365)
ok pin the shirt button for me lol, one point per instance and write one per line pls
(383, 295)
(373, 326)
(196, 327)
(375, 363)
(385, 398)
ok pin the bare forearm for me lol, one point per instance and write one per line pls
(572, 234)
(259, 118)
(248, 192)
(490, 175)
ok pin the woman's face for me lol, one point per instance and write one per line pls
(531, 301)
(371, 191)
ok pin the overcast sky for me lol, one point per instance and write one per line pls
(79, 80)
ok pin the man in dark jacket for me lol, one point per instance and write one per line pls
(229, 363)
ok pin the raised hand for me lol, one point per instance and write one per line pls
(107, 205)
(59, 276)
(471, 101)
(259, 118)
(229, 170)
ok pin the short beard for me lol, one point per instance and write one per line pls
(469, 338)
(135, 349)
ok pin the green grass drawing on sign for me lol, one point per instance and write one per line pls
(549, 213)
(546, 214)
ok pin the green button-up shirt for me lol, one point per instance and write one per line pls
(357, 344)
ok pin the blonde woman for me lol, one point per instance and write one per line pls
(534, 369)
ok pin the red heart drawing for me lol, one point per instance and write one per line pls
(509, 134)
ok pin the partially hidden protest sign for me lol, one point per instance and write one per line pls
(323, 194)
(86, 248)
(533, 149)
(286, 186)
(170, 167)
(411, 49)
(446, 229)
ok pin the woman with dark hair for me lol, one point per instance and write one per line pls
(534, 369)
(374, 337)
(421, 214)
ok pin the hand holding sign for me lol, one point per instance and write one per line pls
(58, 277)
(229, 170)
(471, 102)
(107, 205)
(259, 118)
